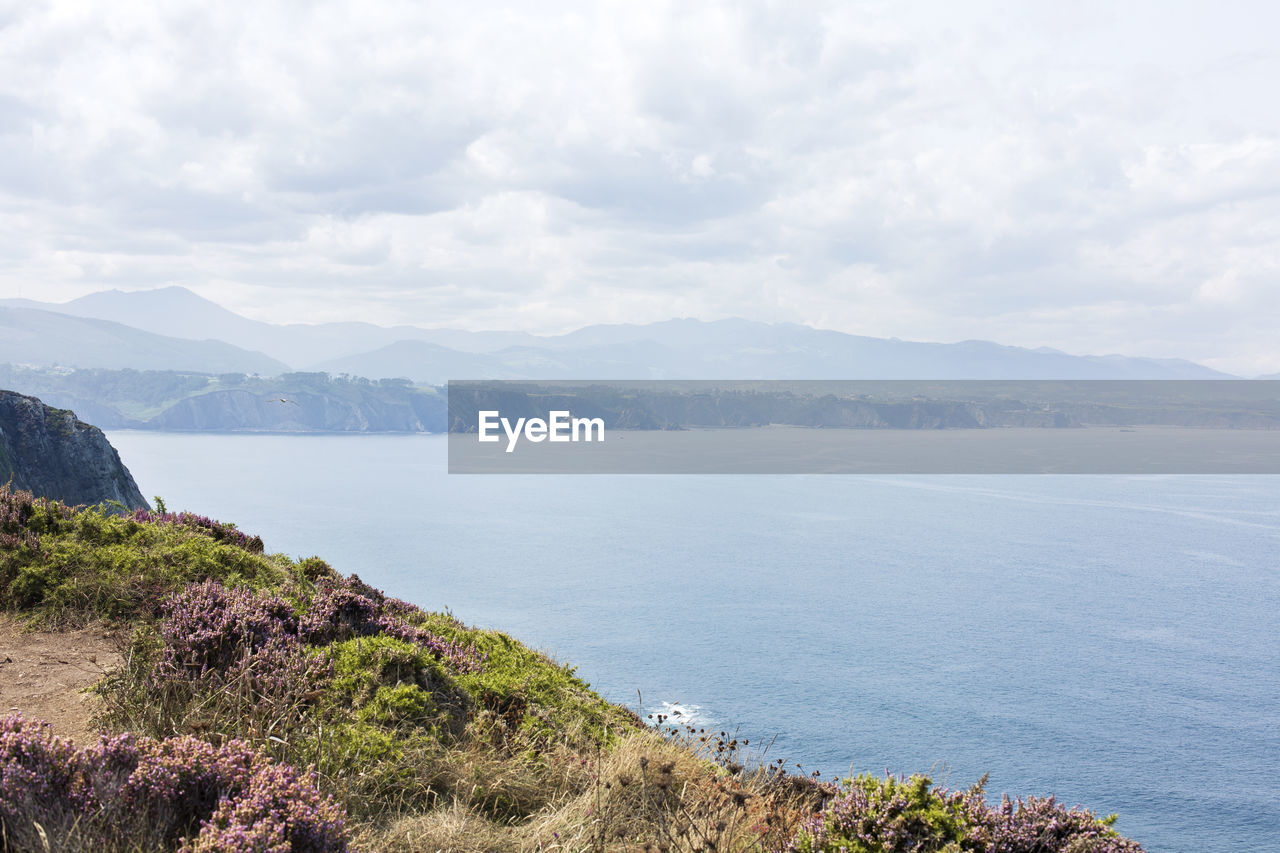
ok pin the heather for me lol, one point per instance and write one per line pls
(128, 793)
(895, 815)
(273, 704)
(65, 566)
(385, 701)
(216, 530)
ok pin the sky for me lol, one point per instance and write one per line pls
(1091, 176)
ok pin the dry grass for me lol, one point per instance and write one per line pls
(451, 829)
(646, 792)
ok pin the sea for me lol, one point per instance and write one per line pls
(1111, 640)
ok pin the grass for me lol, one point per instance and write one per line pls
(67, 567)
(426, 733)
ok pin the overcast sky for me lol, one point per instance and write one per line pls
(1083, 177)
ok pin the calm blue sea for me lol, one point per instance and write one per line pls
(1111, 640)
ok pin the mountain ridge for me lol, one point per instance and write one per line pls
(687, 348)
(50, 338)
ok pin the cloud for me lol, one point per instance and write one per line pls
(1091, 177)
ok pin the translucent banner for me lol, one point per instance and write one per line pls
(864, 427)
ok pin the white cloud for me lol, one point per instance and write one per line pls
(1094, 177)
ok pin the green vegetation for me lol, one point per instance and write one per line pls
(167, 399)
(73, 566)
(279, 690)
(910, 816)
(133, 394)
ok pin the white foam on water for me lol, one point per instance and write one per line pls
(680, 714)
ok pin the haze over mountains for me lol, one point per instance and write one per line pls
(173, 328)
(41, 337)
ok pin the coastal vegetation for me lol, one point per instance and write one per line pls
(272, 704)
(185, 400)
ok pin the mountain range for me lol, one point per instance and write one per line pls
(173, 328)
(51, 338)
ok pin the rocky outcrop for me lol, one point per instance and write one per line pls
(54, 454)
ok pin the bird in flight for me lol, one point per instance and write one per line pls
(283, 400)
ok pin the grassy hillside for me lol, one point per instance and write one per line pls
(270, 704)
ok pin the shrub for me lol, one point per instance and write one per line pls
(343, 608)
(910, 816)
(179, 794)
(208, 626)
(21, 516)
(1037, 824)
(74, 565)
(218, 531)
(329, 678)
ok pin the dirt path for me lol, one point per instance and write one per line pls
(42, 675)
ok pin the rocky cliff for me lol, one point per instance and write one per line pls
(301, 411)
(1234, 404)
(54, 454)
(233, 402)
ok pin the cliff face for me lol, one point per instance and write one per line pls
(54, 454)
(233, 402)
(301, 411)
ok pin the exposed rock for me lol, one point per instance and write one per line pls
(301, 411)
(54, 454)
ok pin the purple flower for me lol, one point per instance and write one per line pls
(217, 530)
(158, 794)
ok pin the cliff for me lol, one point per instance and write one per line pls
(304, 411)
(1236, 404)
(54, 454)
(234, 402)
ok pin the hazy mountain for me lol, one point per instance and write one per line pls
(724, 349)
(29, 303)
(28, 336)
(172, 311)
(420, 361)
(429, 363)
(177, 312)
(739, 349)
(743, 349)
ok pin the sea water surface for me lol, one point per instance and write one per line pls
(1112, 640)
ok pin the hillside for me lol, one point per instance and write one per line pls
(739, 349)
(419, 361)
(423, 733)
(29, 336)
(177, 312)
(54, 454)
